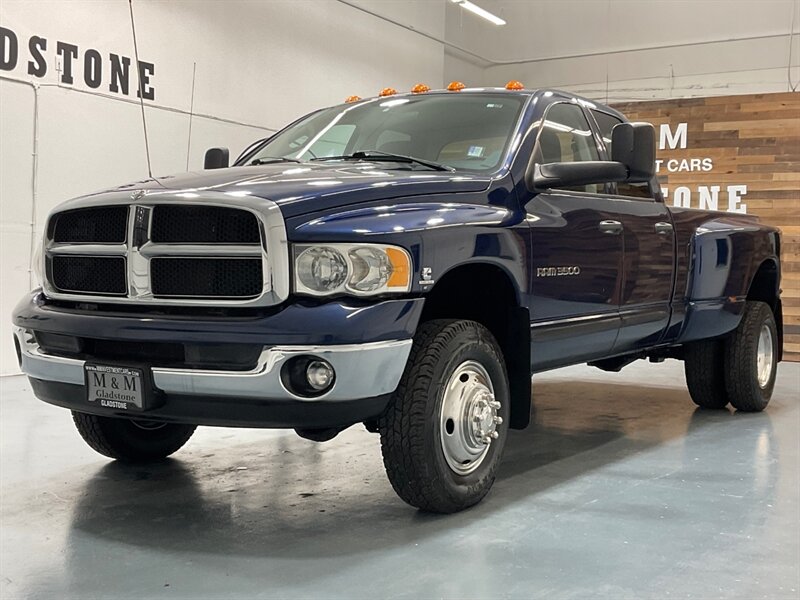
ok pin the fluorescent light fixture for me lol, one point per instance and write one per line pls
(481, 12)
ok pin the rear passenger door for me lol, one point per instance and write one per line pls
(649, 254)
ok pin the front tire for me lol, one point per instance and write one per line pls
(751, 359)
(443, 433)
(131, 440)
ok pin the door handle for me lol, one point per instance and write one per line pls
(610, 227)
(663, 228)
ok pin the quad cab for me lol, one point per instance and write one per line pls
(406, 262)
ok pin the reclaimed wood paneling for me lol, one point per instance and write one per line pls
(754, 141)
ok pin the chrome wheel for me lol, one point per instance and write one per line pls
(469, 417)
(764, 356)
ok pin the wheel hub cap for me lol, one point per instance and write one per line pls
(764, 356)
(469, 417)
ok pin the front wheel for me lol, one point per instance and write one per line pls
(443, 433)
(131, 440)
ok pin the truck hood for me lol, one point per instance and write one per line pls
(310, 187)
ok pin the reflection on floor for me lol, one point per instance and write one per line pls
(620, 488)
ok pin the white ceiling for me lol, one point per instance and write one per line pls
(545, 29)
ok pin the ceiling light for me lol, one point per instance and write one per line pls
(481, 12)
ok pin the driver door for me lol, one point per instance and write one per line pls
(577, 252)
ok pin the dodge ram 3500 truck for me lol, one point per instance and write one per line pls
(407, 262)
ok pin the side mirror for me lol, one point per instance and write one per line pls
(216, 158)
(634, 145)
(568, 174)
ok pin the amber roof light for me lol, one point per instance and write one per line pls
(387, 92)
(351, 99)
(420, 88)
(455, 86)
(515, 85)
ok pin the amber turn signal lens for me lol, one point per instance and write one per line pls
(455, 86)
(350, 99)
(515, 85)
(420, 88)
(387, 92)
(401, 268)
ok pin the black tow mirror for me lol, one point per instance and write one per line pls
(216, 158)
(568, 174)
(634, 145)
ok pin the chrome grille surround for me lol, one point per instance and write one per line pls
(139, 249)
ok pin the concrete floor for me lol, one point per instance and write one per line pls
(620, 489)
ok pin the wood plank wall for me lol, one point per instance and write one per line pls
(752, 140)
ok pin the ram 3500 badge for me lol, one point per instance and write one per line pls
(406, 262)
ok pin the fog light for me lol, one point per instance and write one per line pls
(308, 376)
(319, 374)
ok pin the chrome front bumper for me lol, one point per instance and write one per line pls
(362, 371)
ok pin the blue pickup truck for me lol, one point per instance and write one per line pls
(406, 261)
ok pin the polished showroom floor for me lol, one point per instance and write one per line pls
(620, 489)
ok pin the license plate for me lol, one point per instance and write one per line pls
(119, 388)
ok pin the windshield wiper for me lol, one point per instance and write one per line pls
(386, 156)
(268, 160)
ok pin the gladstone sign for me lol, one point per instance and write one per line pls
(111, 72)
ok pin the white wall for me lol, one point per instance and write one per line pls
(631, 49)
(259, 65)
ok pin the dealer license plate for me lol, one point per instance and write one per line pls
(119, 388)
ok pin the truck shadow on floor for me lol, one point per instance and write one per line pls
(298, 500)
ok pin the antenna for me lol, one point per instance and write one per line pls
(141, 90)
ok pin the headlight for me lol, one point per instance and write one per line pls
(358, 269)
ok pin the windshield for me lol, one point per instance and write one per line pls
(464, 131)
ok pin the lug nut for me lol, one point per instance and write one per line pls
(494, 404)
(494, 435)
(498, 420)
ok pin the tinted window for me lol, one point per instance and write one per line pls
(465, 131)
(605, 123)
(565, 136)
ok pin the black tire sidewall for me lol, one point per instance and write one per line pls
(742, 359)
(122, 439)
(471, 344)
(766, 392)
(146, 443)
(769, 320)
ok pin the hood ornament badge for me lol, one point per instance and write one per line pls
(138, 195)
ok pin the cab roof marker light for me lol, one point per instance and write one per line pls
(481, 12)
(455, 86)
(387, 91)
(515, 85)
(351, 99)
(420, 88)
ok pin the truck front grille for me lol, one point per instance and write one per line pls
(206, 277)
(173, 223)
(165, 253)
(101, 225)
(89, 274)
